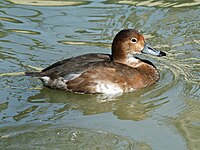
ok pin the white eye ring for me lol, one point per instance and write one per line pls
(134, 40)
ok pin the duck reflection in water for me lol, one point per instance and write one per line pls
(129, 106)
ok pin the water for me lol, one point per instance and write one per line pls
(38, 33)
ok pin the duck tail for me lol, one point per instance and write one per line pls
(33, 74)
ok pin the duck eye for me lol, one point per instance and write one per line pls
(134, 40)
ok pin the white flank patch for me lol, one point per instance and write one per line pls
(108, 88)
(59, 83)
(45, 80)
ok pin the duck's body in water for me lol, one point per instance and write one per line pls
(105, 73)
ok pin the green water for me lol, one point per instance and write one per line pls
(37, 33)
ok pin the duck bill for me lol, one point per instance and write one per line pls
(148, 50)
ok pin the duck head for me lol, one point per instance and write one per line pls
(129, 42)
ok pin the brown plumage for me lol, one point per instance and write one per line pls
(105, 73)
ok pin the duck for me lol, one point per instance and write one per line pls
(99, 73)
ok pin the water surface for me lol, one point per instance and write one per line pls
(36, 33)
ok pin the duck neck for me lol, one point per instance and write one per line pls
(127, 59)
(122, 55)
(117, 52)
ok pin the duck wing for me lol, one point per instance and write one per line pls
(73, 64)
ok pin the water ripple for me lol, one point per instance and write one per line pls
(46, 2)
(162, 4)
(8, 19)
(53, 137)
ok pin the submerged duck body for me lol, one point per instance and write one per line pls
(105, 73)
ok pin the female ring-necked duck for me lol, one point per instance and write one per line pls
(104, 73)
